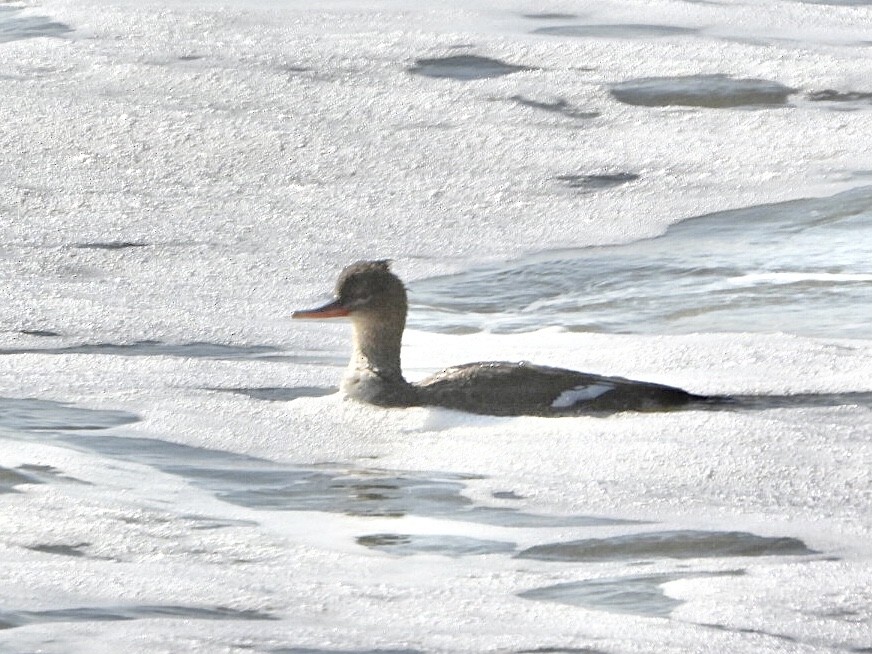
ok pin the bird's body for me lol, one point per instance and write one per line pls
(375, 300)
(501, 388)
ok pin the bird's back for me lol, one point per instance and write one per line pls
(510, 389)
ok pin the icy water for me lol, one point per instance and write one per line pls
(675, 193)
(263, 485)
(14, 25)
(799, 267)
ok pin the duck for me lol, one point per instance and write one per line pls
(374, 299)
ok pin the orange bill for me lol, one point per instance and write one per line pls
(330, 310)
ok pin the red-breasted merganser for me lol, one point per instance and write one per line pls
(374, 299)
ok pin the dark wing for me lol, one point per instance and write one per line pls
(513, 389)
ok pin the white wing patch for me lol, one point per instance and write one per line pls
(579, 394)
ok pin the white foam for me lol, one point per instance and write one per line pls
(798, 277)
(256, 148)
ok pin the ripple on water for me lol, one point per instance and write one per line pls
(10, 479)
(684, 544)
(709, 91)
(77, 550)
(463, 67)
(110, 245)
(842, 100)
(29, 474)
(14, 26)
(596, 182)
(279, 394)
(196, 350)
(550, 16)
(260, 484)
(799, 267)
(618, 31)
(558, 106)
(444, 545)
(636, 595)
(29, 414)
(157, 348)
(830, 95)
(39, 333)
(11, 619)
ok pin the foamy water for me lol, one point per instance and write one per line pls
(675, 192)
(799, 267)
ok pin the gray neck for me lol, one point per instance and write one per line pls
(374, 374)
(377, 347)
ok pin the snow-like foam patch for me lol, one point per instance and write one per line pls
(180, 176)
(799, 277)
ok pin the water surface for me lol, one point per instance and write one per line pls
(15, 25)
(801, 267)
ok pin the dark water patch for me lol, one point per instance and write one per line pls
(797, 401)
(113, 614)
(15, 26)
(686, 544)
(75, 551)
(40, 468)
(110, 245)
(749, 631)
(183, 350)
(839, 96)
(508, 517)
(383, 494)
(260, 484)
(622, 31)
(633, 595)
(597, 182)
(506, 495)
(165, 455)
(290, 68)
(40, 333)
(463, 67)
(642, 595)
(799, 267)
(30, 414)
(559, 106)
(10, 478)
(453, 546)
(551, 16)
(843, 613)
(358, 493)
(842, 100)
(279, 394)
(208, 523)
(707, 91)
(46, 473)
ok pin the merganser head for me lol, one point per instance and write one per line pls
(375, 300)
(365, 290)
